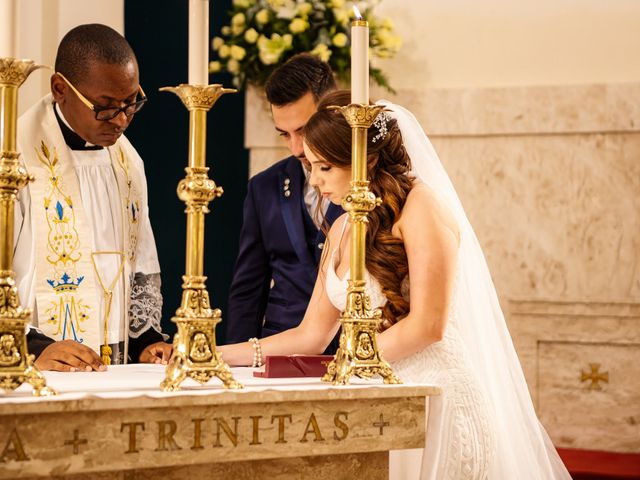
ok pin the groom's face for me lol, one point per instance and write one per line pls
(289, 121)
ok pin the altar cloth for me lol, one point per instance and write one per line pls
(143, 380)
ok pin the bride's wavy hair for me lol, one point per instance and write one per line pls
(328, 135)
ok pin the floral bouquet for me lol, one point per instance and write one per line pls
(265, 33)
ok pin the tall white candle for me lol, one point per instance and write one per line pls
(8, 21)
(359, 59)
(199, 42)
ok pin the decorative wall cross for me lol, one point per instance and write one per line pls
(594, 376)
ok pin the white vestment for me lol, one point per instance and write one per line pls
(83, 202)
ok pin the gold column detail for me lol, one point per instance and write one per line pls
(16, 365)
(195, 354)
(358, 352)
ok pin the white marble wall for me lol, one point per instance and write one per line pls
(581, 364)
(550, 178)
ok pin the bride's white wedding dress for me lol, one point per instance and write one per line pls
(460, 436)
(484, 424)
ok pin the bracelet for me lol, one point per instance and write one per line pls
(257, 352)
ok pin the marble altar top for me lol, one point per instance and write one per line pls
(123, 386)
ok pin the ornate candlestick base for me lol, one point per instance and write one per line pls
(194, 345)
(16, 365)
(358, 352)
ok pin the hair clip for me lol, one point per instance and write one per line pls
(381, 124)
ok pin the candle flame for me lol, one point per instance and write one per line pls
(357, 13)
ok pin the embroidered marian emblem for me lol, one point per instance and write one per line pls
(132, 205)
(68, 311)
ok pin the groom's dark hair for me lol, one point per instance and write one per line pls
(301, 74)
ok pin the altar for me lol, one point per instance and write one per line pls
(118, 424)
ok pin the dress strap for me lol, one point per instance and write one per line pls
(344, 227)
(337, 249)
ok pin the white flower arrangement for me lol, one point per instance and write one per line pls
(263, 34)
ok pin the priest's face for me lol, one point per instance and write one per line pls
(290, 119)
(103, 85)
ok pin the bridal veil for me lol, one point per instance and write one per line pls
(523, 448)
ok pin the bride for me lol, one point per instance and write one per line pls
(442, 321)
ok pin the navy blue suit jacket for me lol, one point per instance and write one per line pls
(274, 246)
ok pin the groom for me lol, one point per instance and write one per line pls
(281, 240)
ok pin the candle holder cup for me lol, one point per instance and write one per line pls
(194, 345)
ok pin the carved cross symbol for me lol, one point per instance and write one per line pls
(381, 424)
(76, 442)
(595, 376)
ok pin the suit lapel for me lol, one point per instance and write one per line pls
(290, 193)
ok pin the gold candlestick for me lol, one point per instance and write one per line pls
(358, 352)
(194, 346)
(16, 365)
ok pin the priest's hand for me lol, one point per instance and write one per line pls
(69, 356)
(159, 352)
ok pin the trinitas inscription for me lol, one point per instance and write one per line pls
(84, 441)
(225, 431)
(229, 432)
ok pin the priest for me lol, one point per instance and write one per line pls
(85, 255)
